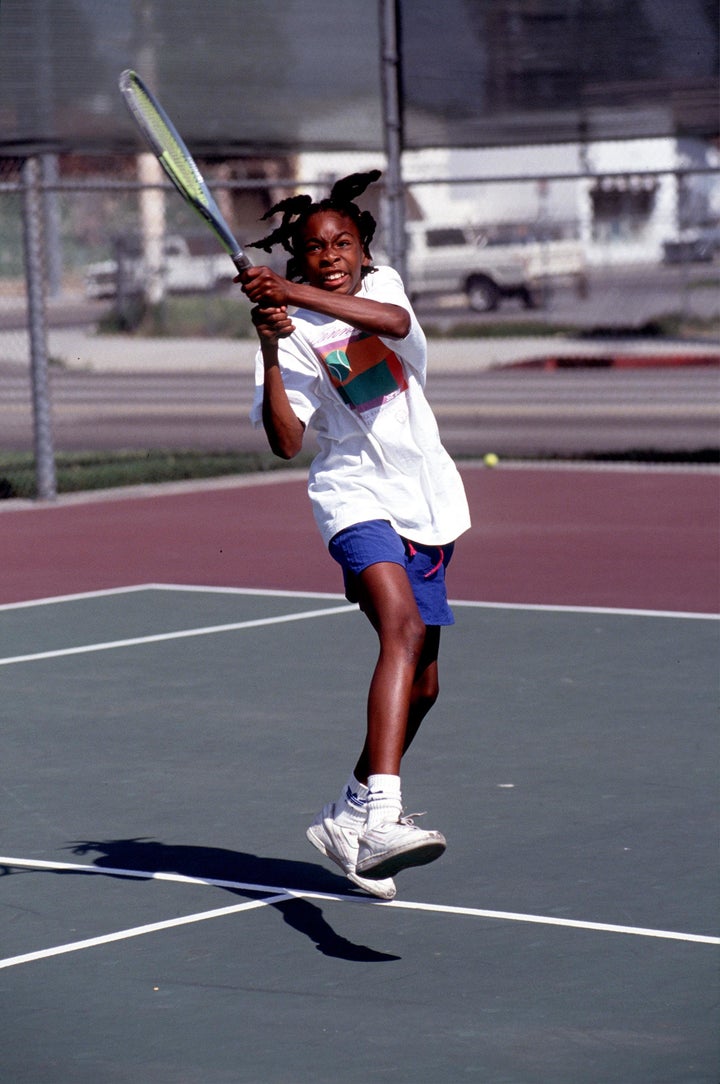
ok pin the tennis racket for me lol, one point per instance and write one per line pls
(178, 163)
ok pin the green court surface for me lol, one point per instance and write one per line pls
(164, 918)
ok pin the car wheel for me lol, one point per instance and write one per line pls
(482, 294)
(530, 299)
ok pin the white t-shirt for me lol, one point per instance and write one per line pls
(380, 452)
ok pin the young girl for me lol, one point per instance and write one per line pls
(386, 496)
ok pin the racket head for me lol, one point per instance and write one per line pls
(176, 160)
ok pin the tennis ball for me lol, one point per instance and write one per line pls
(490, 459)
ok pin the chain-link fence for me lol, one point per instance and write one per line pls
(93, 218)
(603, 248)
(619, 252)
(618, 249)
(12, 268)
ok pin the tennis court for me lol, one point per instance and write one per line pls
(167, 743)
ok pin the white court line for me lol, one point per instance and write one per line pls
(108, 592)
(568, 923)
(80, 597)
(261, 592)
(161, 637)
(138, 931)
(608, 611)
(539, 606)
(283, 893)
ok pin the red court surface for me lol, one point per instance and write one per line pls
(615, 537)
(164, 749)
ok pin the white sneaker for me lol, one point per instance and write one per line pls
(387, 848)
(340, 843)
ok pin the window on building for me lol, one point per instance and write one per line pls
(622, 208)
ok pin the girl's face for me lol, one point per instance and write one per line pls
(332, 253)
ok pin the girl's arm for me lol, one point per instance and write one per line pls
(282, 426)
(261, 284)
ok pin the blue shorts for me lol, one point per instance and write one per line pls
(365, 544)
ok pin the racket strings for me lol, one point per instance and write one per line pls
(173, 157)
(177, 162)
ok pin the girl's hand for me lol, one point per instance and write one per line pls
(272, 324)
(261, 284)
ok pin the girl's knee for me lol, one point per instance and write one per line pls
(414, 632)
(405, 632)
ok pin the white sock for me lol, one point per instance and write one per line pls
(351, 806)
(384, 802)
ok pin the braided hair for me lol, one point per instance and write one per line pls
(296, 210)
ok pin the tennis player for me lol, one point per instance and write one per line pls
(350, 363)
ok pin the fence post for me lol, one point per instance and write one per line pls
(51, 223)
(393, 130)
(37, 330)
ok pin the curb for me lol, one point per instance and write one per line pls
(616, 361)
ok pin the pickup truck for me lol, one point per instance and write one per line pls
(455, 259)
(187, 267)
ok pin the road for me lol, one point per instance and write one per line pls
(618, 298)
(625, 296)
(512, 412)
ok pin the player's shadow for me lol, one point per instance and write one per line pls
(266, 874)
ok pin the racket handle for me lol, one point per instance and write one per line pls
(241, 261)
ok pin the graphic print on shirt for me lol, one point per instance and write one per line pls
(364, 371)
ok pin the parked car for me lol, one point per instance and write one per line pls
(488, 267)
(550, 257)
(699, 245)
(186, 268)
(448, 260)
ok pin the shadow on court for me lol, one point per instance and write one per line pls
(261, 875)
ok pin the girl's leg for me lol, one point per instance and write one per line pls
(423, 695)
(404, 683)
(404, 687)
(425, 686)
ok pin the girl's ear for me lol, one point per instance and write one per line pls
(367, 266)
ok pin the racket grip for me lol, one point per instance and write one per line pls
(242, 261)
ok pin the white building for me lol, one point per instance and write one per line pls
(621, 198)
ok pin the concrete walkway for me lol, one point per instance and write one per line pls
(80, 349)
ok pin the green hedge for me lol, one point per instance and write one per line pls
(192, 316)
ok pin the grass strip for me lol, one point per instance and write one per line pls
(82, 471)
(204, 316)
(78, 471)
